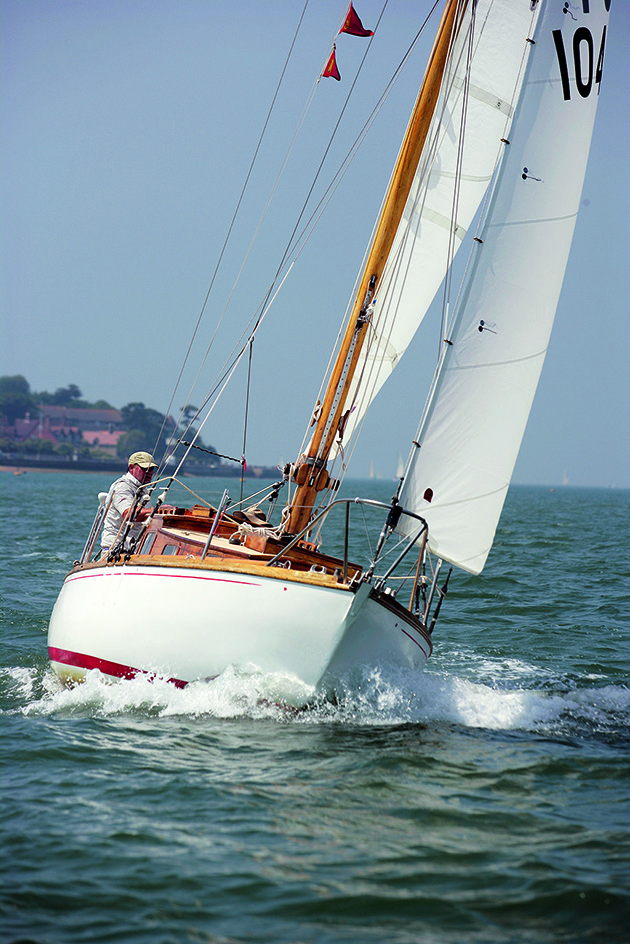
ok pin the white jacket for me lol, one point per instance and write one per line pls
(122, 493)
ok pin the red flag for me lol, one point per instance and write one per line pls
(354, 26)
(331, 71)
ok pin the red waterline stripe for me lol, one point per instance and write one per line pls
(414, 640)
(126, 573)
(83, 661)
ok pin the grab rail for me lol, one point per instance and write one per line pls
(347, 502)
(101, 511)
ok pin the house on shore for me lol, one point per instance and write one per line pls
(97, 428)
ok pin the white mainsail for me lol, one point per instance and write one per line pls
(473, 424)
(487, 59)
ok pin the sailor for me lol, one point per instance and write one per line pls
(121, 496)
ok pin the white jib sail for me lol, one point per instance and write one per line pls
(473, 424)
(419, 257)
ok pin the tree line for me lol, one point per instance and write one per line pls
(17, 399)
(144, 426)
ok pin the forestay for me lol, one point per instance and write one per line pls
(473, 424)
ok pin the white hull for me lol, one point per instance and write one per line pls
(184, 623)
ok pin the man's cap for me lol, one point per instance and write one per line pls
(144, 459)
(254, 516)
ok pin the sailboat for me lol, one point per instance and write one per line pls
(496, 145)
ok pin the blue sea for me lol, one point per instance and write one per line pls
(484, 800)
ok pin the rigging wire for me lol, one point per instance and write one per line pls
(297, 244)
(376, 363)
(330, 141)
(233, 221)
(264, 304)
(363, 392)
(222, 382)
(296, 248)
(485, 206)
(483, 213)
(294, 242)
(249, 377)
(450, 254)
(252, 243)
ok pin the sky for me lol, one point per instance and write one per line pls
(128, 130)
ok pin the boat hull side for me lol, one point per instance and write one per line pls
(184, 623)
(376, 634)
(187, 624)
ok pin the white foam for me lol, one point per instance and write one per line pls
(384, 696)
(433, 696)
(236, 693)
(19, 680)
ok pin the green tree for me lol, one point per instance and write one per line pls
(70, 396)
(147, 430)
(133, 441)
(65, 449)
(35, 447)
(16, 398)
(187, 429)
(66, 396)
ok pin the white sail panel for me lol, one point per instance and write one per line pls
(472, 428)
(420, 254)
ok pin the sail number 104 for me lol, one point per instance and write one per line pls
(583, 61)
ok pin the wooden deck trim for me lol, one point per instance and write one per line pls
(214, 565)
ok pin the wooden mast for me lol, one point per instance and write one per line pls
(311, 473)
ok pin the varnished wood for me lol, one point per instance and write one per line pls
(188, 532)
(251, 567)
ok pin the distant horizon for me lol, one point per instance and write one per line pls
(377, 476)
(381, 480)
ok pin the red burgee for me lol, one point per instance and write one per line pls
(331, 71)
(354, 26)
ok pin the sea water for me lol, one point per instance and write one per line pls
(484, 799)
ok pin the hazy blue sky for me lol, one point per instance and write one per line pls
(128, 127)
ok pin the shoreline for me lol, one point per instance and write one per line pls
(118, 468)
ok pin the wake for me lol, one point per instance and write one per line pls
(512, 697)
